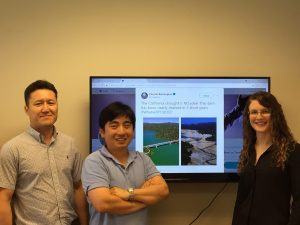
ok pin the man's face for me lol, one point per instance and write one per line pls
(117, 133)
(42, 109)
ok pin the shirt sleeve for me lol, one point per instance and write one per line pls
(150, 168)
(94, 174)
(294, 169)
(8, 167)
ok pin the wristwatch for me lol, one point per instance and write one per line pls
(131, 194)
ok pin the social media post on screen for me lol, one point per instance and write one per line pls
(181, 129)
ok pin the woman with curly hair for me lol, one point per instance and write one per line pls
(269, 167)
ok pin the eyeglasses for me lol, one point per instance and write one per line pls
(264, 113)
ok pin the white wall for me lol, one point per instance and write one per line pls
(67, 41)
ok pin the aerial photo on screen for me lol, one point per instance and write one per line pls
(198, 141)
(161, 140)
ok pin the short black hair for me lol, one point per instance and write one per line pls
(36, 85)
(113, 110)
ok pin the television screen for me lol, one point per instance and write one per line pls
(191, 127)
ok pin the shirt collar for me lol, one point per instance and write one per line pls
(37, 136)
(132, 155)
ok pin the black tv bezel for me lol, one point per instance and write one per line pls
(179, 177)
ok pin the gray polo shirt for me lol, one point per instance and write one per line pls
(42, 177)
(101, 169)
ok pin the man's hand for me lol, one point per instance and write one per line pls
(121, 193)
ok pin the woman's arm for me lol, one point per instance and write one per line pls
(294, 169)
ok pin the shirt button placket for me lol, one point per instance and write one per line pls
(55, 178)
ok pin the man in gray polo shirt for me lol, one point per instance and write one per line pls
(119, 183)
(40, 168)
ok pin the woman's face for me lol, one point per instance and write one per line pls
(260, 117)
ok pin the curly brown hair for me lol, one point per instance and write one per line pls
(282, 138)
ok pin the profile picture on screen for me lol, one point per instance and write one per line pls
(144, 95)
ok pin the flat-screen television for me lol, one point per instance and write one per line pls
(191, 127)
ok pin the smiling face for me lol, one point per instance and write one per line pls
(117, 134)
(42, 109)
(259, 117)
